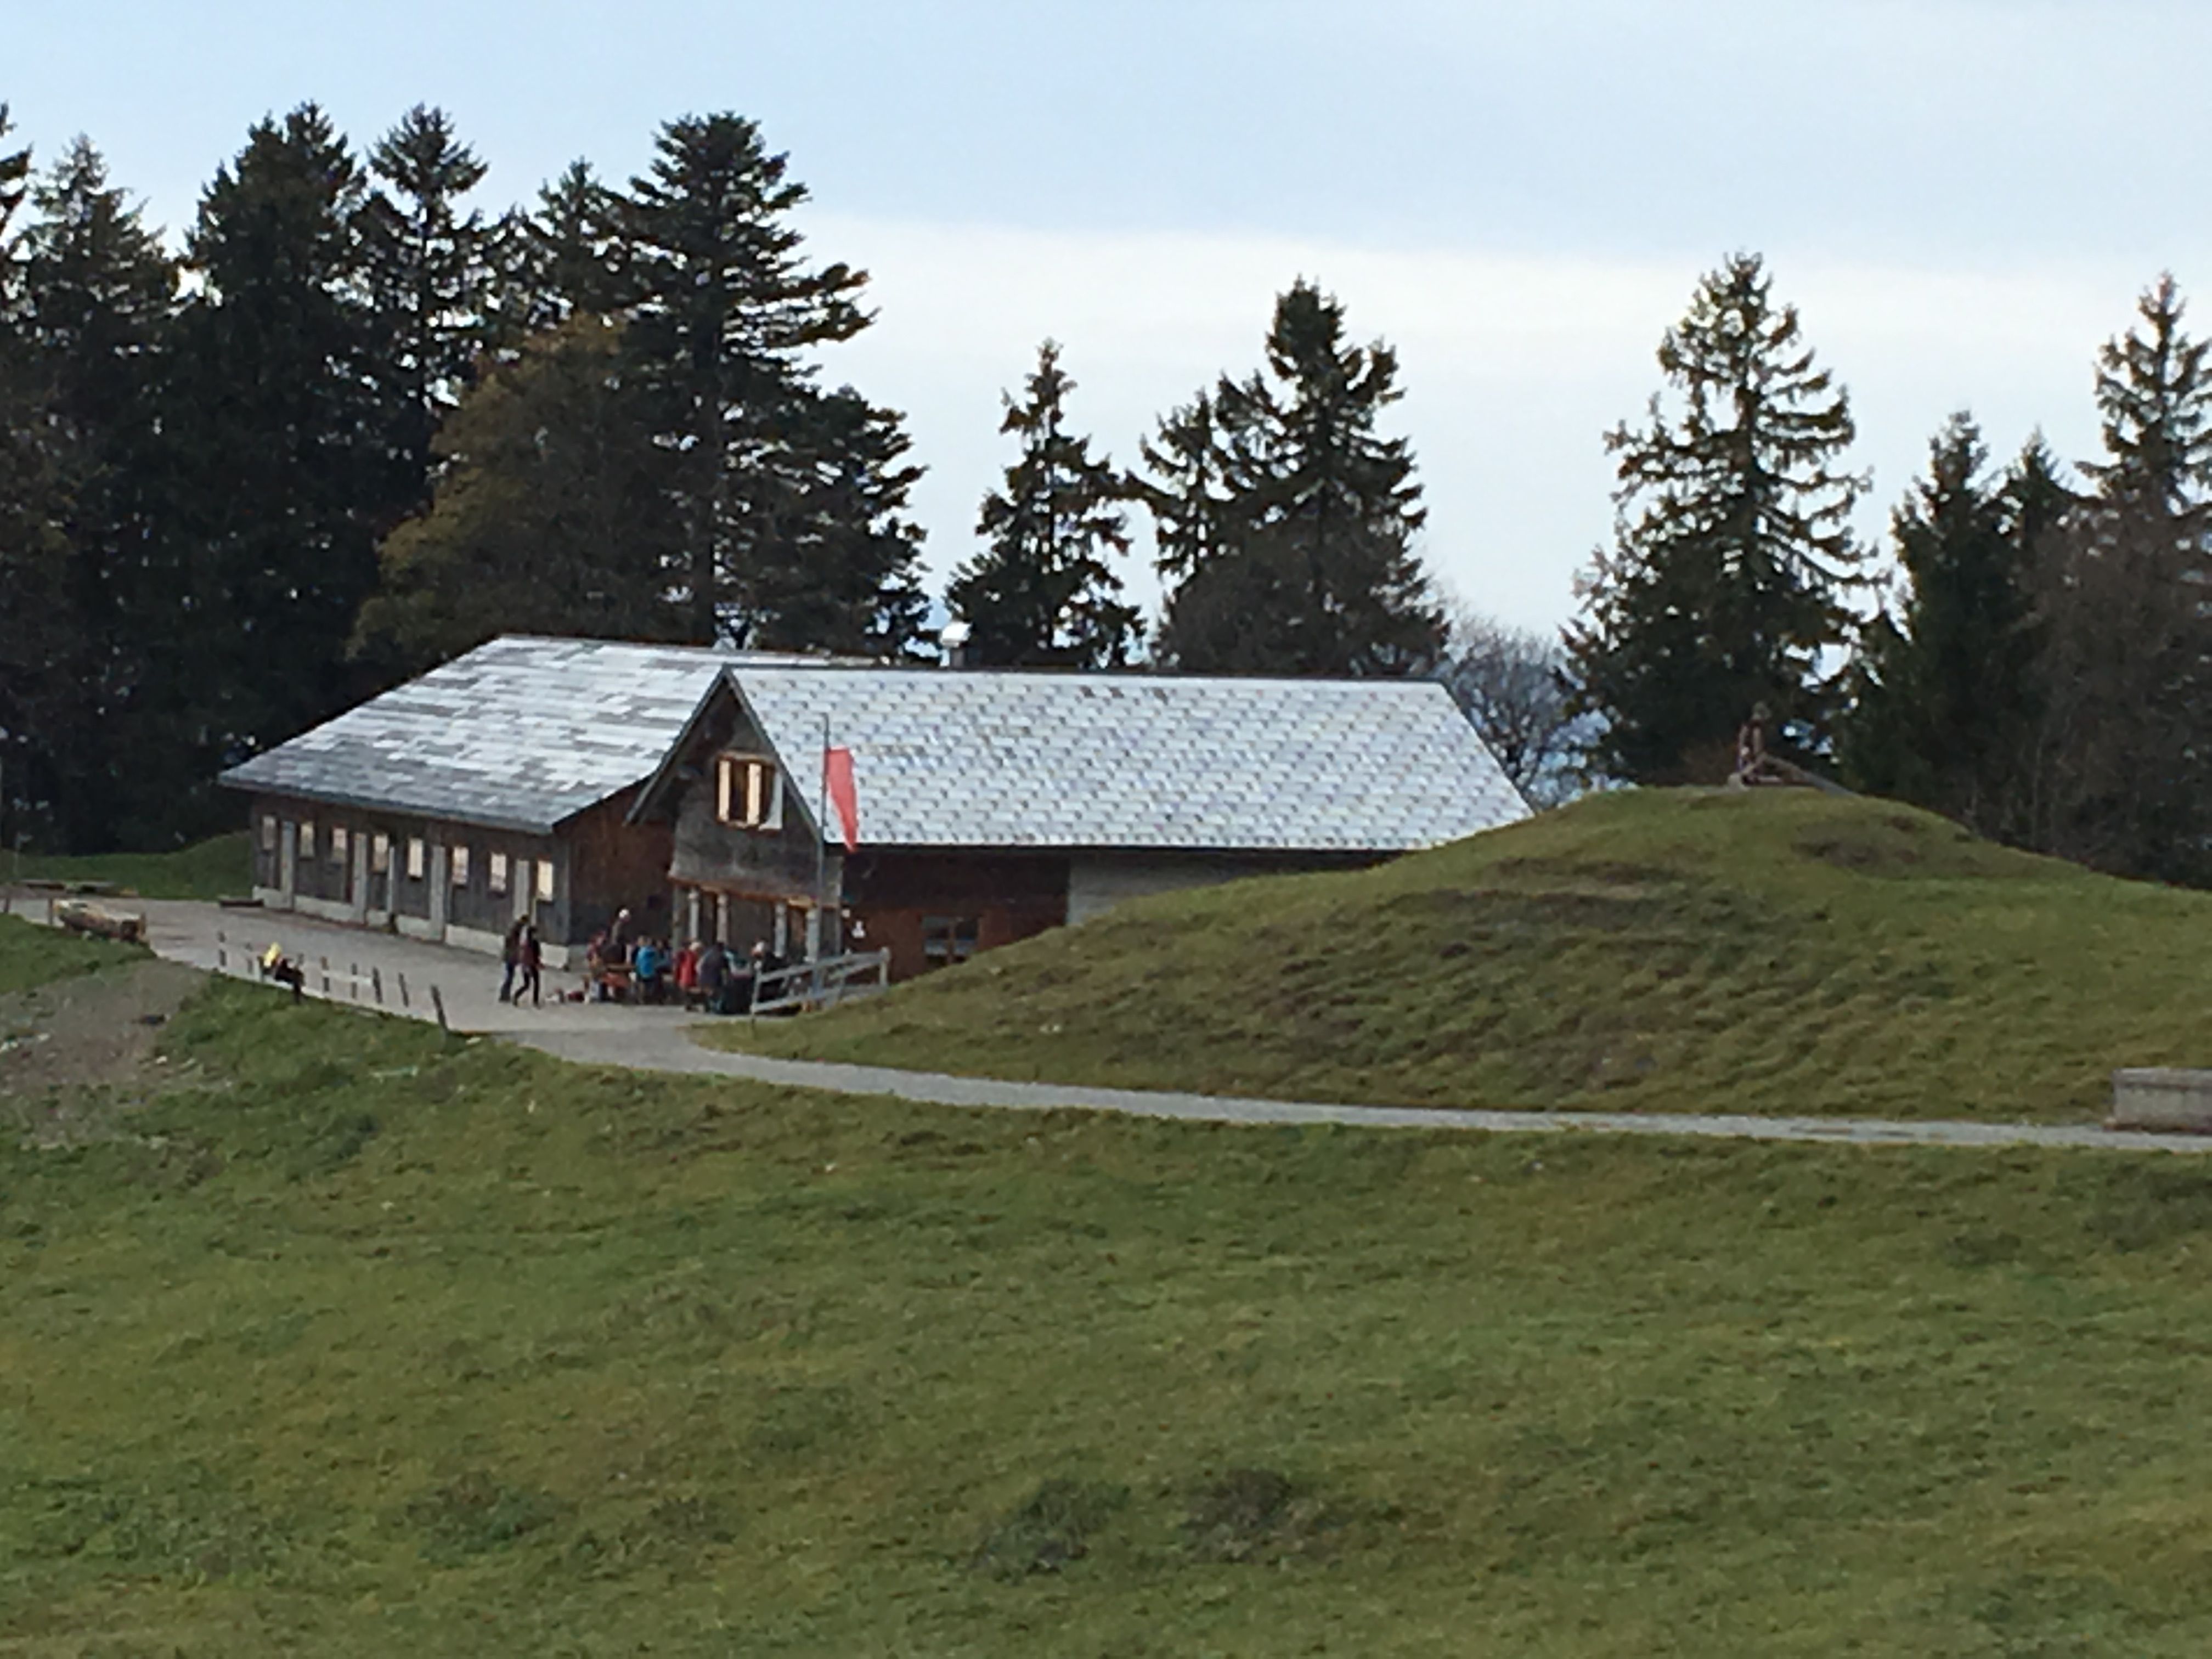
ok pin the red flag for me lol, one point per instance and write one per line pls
(837, 782)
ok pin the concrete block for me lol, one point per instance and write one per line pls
(2172, 1097)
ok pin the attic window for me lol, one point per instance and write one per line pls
(745, 793)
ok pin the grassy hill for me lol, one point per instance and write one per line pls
(351, 1339)
(1772, 952)
(207, 870)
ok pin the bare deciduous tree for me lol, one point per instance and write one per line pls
(1508, 680)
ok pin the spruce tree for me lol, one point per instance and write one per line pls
(1311, 568)
(552, 513)
(2124, 756)
(837, 569)
(1945, 684)
(84, 669)
(564, 256)
(426, 261)
(277, 436)
(2154, 408)
(725, 311)
(1732, 553)
(1043, 593)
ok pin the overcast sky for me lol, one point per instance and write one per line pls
(1964, 197)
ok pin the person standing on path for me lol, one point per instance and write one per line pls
(532, 955)
(511, 956)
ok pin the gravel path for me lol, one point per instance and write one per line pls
(656, 1040)
(641, 1050)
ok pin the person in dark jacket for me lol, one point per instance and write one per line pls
(510, 954)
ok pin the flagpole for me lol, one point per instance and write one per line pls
(821, 852)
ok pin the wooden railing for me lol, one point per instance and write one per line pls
(805, 986)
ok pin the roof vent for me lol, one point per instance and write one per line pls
(954, 640)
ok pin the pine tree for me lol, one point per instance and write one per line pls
(564, 257)
(838, 570)
(33, 550)
(428, 265)
(277, 436)
(1733, 552)
(551, 514)
(2154, 404)
(1041, 594)
(725, 312)
(1312, 569)
(82, 669)
(1947, 688)
(2125, 753)
(1183, 489)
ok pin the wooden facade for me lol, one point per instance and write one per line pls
(456, 883)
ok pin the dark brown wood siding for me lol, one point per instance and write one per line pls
(892, 894)
(616, 865)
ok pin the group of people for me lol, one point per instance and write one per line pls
(706, 974)
(523, 956)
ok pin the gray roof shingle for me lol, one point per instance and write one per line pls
(524, 733)
(1013, 759)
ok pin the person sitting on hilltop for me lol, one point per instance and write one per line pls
(1753, 765)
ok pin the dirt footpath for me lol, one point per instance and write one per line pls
(77, 1045)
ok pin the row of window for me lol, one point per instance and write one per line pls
(500, 874)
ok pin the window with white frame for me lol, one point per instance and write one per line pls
(546, 881)
(418, 856)
(307, 838)
(496, 873)
(746, 795)
(267, 832)
(380, 853)
(341, 843)
(460, 867)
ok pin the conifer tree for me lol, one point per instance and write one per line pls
(837, 572)
(1311, 568)
(1946, 691)
(426, 261)
(1043, 593)
(1732, 552)
(84, 666)
(564, 256)
(551, 514)
(724, 310)
(277, 436)
(2125, 756)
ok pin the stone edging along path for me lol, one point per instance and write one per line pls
(672, 1050)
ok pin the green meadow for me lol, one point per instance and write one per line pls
(1665, 951)
(346, 1339)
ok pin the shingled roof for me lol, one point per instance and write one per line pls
(524, 733)
(982, 758)
(519, 734)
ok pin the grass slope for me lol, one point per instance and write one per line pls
(371, 1342)
(1775, 951)
(206, 870)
